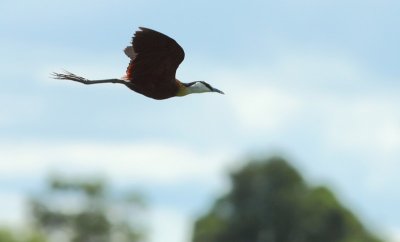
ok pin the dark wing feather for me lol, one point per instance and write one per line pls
(148, 41)
(157, 59)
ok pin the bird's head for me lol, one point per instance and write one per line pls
(197, 87)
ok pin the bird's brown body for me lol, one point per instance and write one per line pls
(152, 69)
(154, 59)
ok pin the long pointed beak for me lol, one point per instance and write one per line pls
(216, 90)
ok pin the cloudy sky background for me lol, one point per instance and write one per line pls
(317, 81)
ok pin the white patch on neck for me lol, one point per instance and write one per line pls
(198, 87)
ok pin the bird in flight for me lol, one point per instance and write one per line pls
(154, 58)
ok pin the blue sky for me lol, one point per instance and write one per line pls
(314, 80)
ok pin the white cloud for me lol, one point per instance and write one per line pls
(264, 107)
(311, 70)
(13, 206)
(367, 128)
(330, 97)
(369, 123)
(141, 162)
(272, 98)
(150, 163)
(334, 92)
(169, 225)
(393, 234)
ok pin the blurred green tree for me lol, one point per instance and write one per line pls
(86, 211)
(6, 235)
(13, 235)
(270, 202)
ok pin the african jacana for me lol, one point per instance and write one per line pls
(154, 58)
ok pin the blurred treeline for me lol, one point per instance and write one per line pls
(269, 202)
(82, 210)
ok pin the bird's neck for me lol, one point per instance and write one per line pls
(192, 87)
(183, 89)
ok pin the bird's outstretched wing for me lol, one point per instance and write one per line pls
(154, 58)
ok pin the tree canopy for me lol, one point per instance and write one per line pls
(80, 210)
(270, 202)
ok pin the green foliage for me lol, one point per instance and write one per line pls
(270, 202)
(8, 235)
(85, 210)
